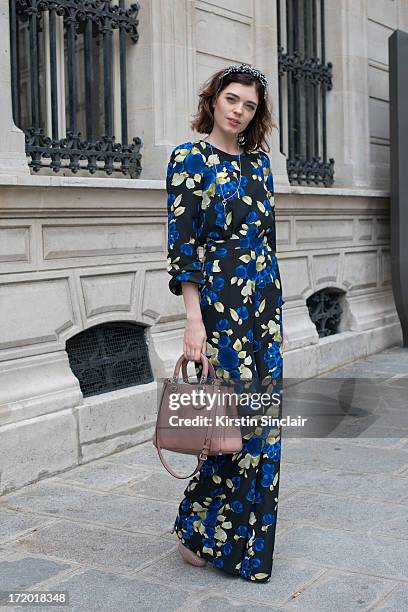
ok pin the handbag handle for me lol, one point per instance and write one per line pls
(183, 361)
(200, 458)
(185, 373)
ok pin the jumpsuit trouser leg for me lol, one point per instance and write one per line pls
(228, 515)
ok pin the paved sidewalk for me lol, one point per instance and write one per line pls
(102, 531)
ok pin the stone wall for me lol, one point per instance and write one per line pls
(79, 251)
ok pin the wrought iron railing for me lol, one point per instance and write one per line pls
(304, 79)
(63, 83)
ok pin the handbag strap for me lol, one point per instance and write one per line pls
(183, 361)
(201, 458)
(211, 370)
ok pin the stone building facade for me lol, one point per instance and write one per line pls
(79, 251)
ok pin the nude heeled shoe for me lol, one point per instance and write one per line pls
(191, 557)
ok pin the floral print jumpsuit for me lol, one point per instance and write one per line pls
(228, 514)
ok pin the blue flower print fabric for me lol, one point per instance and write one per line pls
(229, 511)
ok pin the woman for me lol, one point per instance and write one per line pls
(220, 196)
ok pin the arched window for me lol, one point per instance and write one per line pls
(109, 356)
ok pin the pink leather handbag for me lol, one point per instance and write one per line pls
(197, 418)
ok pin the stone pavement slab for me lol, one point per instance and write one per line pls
(95, 590)
(14, 523)
(397, 600)
(102, 530)
(217, 603)
(27, 571)
(145, 456)
(396, 440)
(99, 547)
(103, 475)
(343, 512)
(115, 510)
(341, 591)
(156, 485)
(367, 553)
(288, 577)
(393, 488)
(332, 453)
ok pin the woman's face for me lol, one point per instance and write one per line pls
(236, 102)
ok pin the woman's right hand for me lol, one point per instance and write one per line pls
(195, 339)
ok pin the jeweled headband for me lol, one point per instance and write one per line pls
(249, 70)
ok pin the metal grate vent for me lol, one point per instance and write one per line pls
(325, 311)
(109, 356)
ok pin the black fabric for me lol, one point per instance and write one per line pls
(229, 511)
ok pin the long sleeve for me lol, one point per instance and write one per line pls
(271, 199)
(268, 178)
(184, 194)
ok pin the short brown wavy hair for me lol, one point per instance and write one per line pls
(255, 135)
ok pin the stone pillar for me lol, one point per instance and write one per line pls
(265, 56)
(13, 159)
(162, 96)
(403, 15)
(160, 81)
(348, 138)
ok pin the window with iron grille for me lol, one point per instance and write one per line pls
(68, 67)
(304, 80)
(108, 357)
